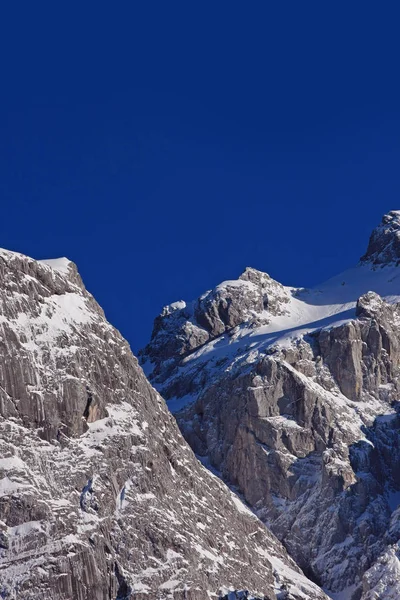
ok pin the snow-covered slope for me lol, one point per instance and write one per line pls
(305, 311)
(292, 395)
(297, 312)
(100, 496)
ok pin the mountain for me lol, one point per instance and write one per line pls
(292, 396)
(100, 496)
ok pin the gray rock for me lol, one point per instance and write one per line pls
(289, 442)
(180, 328)
(100, 496)
(384, 243)
(304, 424)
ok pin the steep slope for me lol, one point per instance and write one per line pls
(100, 496)
(295, 402)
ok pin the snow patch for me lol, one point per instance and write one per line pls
(62, 265)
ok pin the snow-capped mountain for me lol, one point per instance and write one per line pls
(100, 496)
(292, 396)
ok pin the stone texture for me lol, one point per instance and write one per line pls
(290, 435)
(100, 496)
(182, 328)
(307, 428)
(384, 243)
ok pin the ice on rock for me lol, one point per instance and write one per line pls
(292, 396)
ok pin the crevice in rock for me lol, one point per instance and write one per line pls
(86, 412)
(13, 400)
(88, 501)
(124, 590)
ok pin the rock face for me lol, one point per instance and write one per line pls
(100, 496)
(384, 244)
(301, 413)
(182, 328)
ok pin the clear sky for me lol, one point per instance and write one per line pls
(165, 146)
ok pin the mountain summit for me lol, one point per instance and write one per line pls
(292, 396)
(384, 243)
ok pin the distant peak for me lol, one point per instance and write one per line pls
(384, 243)
(253, 275)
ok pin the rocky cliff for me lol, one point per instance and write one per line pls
(292, 396)
(100, 496)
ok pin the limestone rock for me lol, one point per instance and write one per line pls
(384, 243)
(100, 496)
(182, 328)
(300, 414)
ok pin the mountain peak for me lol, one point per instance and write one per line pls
(384, 243)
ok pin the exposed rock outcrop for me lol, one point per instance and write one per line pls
(384, 243)
(301, 414)
(182, 328)
(100, 496)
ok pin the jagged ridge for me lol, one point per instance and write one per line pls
(300, 413)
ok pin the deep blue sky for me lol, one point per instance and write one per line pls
(165, 146)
